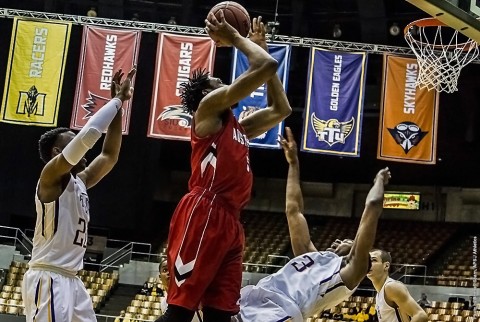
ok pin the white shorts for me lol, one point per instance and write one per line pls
(260, 305)
(49, 296)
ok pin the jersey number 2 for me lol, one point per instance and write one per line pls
(300, 266)
(80, 239)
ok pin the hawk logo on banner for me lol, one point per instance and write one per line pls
(35, 69)
(177, 57)
(258, 99)
(407, 135)
(177, 114)
(94, 103)
(103, 52)
(332, 131)
(409, 115)
(333, 115)
(31, 102)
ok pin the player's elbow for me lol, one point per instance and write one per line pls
(268, 67)
(286, 109)
(292, 208)
(375, 202)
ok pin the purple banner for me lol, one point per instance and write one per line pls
(333, 115)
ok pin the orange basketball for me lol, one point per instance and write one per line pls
(235, 14)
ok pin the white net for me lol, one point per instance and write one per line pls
(441, 55)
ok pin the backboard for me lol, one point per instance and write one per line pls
(459, 14)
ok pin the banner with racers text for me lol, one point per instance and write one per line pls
(35, 70)
(177, 57)
(258, 99)
(334, 109)
(103, 52)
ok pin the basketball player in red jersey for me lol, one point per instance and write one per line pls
(206, 239)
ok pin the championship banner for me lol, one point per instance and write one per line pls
(409, 115)
(35, 69)
(104, 51)
(177, 57)
(334, 111)
(258, 99)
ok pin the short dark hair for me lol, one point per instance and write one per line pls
(47, 141)
(192, 91)
(384, 255)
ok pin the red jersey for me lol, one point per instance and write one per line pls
(221, 165)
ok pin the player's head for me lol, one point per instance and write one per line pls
(164, 274)
(380, 263)
(52, 143)
(197, 87)
(341, 247)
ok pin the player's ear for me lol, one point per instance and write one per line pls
(387, 265)
(55, 151)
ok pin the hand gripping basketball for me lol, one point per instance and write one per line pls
(221, 32)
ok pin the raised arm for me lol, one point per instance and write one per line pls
(278, 107)
(297, 224)
(398, 294)
(261, 68)
(359, 256)
(106, 160)
(50, 183)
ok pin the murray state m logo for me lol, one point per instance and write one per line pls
(31, 102)
(407, 135)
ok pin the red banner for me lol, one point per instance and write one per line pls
(103, 52)
(177, 57)
(409, 115)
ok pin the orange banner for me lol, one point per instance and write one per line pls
(177, 57)
(103, 52)
(409, 115)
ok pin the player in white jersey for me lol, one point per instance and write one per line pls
(51, 290)
(313, 281)
(393, 301)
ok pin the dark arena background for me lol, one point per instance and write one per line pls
(432, 247)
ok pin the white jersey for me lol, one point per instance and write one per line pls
(385, 312)
(60, 238)
(306, 285)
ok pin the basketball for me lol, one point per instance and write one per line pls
(235, 14)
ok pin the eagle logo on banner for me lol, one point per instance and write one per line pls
(176, 113)
(407, 135)
(332, 131)
(94, 103)
(31, 102)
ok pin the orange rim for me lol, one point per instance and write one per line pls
(433, 22)
(426, 22)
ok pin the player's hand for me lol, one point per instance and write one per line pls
(257, 33)
(116, 81)
(221, 32)
(125, 89)
(383, 175)
(289, 146)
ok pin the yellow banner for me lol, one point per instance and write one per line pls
(35, 69)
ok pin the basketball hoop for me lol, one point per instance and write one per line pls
(441, 53)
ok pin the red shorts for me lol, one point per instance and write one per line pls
(205, 250)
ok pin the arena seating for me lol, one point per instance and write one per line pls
(456, 268)
(408, 242)
(439, 311)
(99, 285)
(146, 307)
